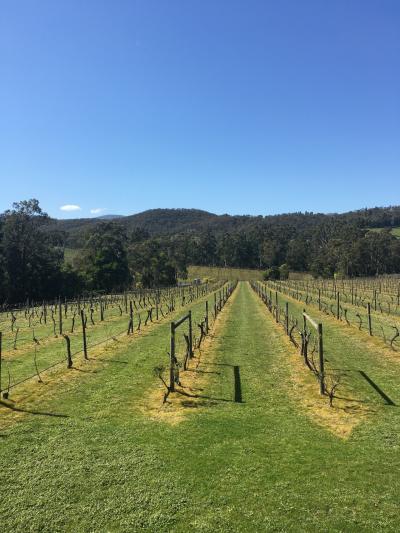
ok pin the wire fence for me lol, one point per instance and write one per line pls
(35, 343)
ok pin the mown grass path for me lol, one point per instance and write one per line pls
(249, 459)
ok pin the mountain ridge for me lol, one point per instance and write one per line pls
(169, 221)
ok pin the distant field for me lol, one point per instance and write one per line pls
(220, 273)
(70, 254)
(395, 231)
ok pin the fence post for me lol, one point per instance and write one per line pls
(1, 343)
(60, 325)
(215, 305)
(287, 318)
(276, 307)
(172, 360)
(321, 360)
(338, 306)
(69, 357)
(84, 334)
(190, 335)
(207, 317)
(369, 319)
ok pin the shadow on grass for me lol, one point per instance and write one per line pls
(203, 397)
(236, 380)
(202, 371)
(378, 389)
(84, 371)
(30, 412)
(113, 361)
(348, 371)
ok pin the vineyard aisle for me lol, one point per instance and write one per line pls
(245, 458)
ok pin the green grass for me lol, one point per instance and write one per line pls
(221, 273)
(98, 463)
(395, 231)
(70, 254)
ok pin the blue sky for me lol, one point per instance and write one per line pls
(248, 107)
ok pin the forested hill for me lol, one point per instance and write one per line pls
(158, 222)
(154, 248)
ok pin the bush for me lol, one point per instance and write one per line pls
(284, 271)
(271, 273)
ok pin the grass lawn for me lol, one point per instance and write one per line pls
(249, 457)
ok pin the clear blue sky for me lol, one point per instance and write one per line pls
(249, 106)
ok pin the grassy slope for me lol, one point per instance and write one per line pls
(252, 466)
(219, 273)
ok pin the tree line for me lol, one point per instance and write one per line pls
(112, 256)
(32, 263)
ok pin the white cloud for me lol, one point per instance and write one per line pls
(97, 210)
(70, 207)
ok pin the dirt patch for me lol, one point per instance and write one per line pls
(189, 397)
(303, 389)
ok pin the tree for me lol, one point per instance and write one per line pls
(32, 265)
(284, 271)
(152, 265)
(271, 273)
(105, 262)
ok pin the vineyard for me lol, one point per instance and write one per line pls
(223, 406)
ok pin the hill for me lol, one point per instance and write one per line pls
(193, 221)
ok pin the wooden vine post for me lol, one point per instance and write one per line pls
(172, 360)
(190, 335)
(207, 317)
(321, 360)
(369, 319)
(287, 318)
(85, 355)
(130, 326)
(60, 324)
(69, 356)
(1, 343)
